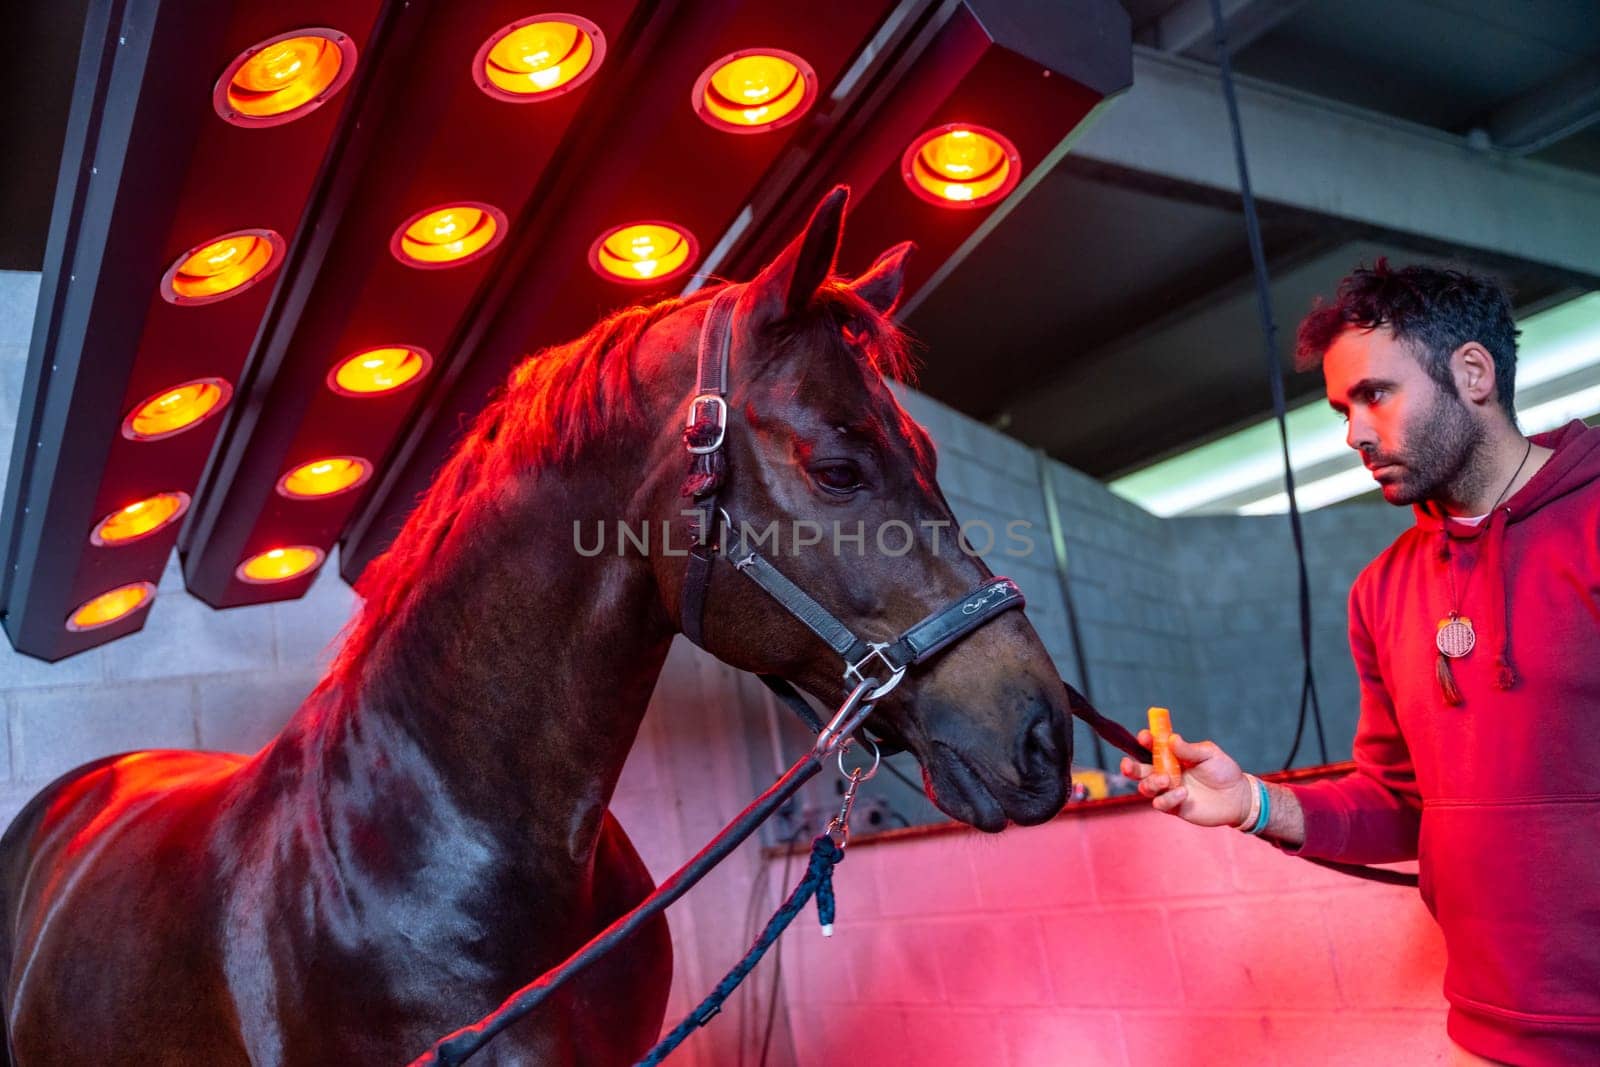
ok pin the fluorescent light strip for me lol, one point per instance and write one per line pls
(1358, 480)
(1555, 343)
(1317, 494)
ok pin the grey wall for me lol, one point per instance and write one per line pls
(1240, 589)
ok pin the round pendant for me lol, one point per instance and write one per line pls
(1455, 637)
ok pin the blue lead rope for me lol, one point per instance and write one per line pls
(818, 880)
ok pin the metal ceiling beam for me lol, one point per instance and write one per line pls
(1187, 28)
(1316, 155)
(1547, 113)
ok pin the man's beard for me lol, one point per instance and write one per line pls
(1435, 461)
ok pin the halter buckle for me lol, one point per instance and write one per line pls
(719, 408)
(855, 670)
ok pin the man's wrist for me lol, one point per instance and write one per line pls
(1288, 825)
(1250, 805)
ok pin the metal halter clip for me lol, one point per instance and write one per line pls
(839, 827)
(720, 411)
(855, 670)
(851, 714)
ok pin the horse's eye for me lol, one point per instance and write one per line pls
(838, 477)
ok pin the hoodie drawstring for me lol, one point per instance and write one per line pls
(1505, 676)
(1493, 559)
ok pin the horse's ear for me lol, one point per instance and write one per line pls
(789, 282)
(885, 280)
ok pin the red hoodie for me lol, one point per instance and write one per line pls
(1499, 797)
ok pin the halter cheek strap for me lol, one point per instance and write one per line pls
(705, 430)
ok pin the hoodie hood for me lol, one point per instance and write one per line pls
(1575, 463)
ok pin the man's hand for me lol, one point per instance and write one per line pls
(1213, 790)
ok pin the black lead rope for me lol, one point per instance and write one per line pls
(460, 1045)
(1124, 739)
(457, 1047)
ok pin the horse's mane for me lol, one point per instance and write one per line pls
(556, 402)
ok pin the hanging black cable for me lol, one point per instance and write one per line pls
(1269, 333)
(1058, 547)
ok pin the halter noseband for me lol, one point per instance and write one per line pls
(704, 435)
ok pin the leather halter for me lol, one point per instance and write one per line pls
(704, 435)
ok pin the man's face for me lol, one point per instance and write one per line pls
(1415, 438)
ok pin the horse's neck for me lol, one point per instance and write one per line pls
(496, 710)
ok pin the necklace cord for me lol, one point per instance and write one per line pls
(1455, 601)
(1455, 637)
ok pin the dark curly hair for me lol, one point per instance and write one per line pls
(1433, 310)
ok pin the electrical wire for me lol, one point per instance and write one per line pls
(777, 959)
(1269, 331)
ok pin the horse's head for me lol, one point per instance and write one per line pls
(818, 448)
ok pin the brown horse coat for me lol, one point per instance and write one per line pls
(430, 830)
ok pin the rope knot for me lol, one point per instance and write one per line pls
(1504, 676)
(818, 880)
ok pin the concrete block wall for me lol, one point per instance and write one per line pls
(1240, 590)
(192, 678)
(1200, 615)
(19, 292)
(1121, 570)
(1115, 938)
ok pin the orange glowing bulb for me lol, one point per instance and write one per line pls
(378, 370)
(280, 564)
(755, 90)
(108, 607)
(325, 477)
(173, 410)
(961, 166)
(139, 519)
(220, 268)
(540, 59)
(284, 78)
(643, 252)
(448, 236)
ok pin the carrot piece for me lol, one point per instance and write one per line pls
(1163, 759)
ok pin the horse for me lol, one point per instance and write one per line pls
(430, 829)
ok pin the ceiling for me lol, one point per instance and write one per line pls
(1109, 315)
(1110, 318)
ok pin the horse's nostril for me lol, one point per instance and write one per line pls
(1041, 750)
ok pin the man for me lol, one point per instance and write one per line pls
(1476, 637)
